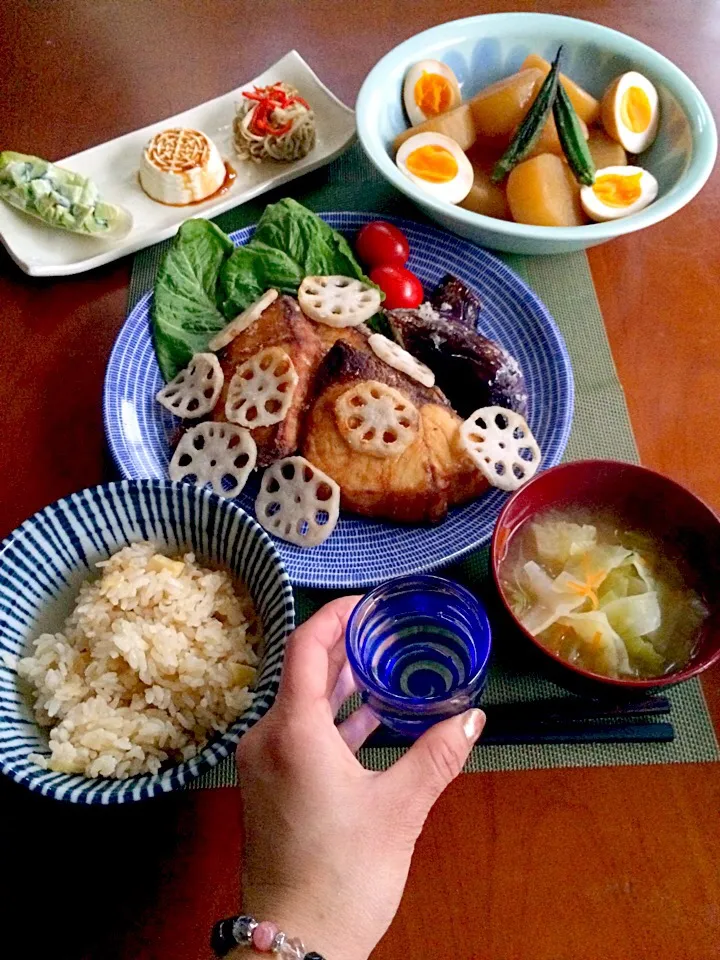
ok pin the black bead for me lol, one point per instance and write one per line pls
(221, 939)
(313, 956)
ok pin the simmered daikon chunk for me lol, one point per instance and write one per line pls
(542, 191)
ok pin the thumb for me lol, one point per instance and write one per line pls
(434, 760)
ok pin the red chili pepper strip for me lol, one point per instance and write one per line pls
(268, 100)
(254, 96)
(258, 124)
(261, 93)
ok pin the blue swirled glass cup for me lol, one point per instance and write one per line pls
(419, 649)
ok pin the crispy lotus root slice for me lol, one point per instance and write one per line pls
(195, 390)
(338, 301)
(502, 447)
(243, 320)
(261, 390)
(401, 360)
(217, 453)
(298, 502)
(376, 419)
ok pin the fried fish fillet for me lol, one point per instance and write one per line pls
(282, 324)
(356, 336)
(430, 476)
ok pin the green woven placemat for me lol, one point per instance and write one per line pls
(601, 428)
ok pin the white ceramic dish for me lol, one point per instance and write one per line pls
(42, 251)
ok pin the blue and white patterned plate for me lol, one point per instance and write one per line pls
(362, 552)
(42, 565)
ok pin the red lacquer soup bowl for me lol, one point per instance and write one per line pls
(645, 501)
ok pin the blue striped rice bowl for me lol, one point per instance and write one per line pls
(42, 566)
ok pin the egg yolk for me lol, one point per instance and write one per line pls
(617, 190)
(432, 163)
(433, 94)
(635, 109)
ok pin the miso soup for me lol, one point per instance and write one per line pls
(613, 601)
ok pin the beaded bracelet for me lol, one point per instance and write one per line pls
(263, 936)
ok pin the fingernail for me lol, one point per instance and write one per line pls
(473, 723)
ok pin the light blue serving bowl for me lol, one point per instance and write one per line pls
(44, 562)
(484, 49)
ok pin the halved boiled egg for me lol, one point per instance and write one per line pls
(437, 164)
(618, 192)
(631, 111)
(430, 88)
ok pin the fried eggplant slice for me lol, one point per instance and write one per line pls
(454, 300)
(470, 369)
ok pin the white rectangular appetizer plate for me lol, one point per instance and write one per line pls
(42, 251)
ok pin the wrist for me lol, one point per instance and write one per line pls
(314, 923)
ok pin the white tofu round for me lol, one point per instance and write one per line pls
(181, 166)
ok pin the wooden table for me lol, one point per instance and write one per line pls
(577, 864)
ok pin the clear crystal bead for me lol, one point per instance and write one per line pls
(243, 929)
(294, 949)
(288, 949)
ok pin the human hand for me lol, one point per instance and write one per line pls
(328, 844)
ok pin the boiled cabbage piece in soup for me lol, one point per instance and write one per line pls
(556, 542)
(597, 642)
(596, 602)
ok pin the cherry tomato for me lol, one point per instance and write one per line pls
(380, 242)
(401, 287)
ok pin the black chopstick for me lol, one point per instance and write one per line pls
(587, 733)
(563, 720)
(564, 709)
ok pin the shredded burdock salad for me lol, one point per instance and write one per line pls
(274, 123)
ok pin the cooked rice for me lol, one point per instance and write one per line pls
(155, 657)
